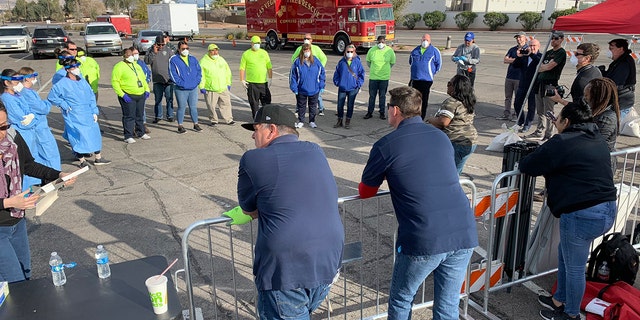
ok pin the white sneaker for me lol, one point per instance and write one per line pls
(313, 125)
(130, 140)
(145, 137)
(299, 125)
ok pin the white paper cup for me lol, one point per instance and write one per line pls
(157, 287)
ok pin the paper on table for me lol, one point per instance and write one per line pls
(49, 192)
(597, 306)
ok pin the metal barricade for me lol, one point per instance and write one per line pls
(365, 276)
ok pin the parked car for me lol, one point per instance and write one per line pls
(15, 38)
(101, 37)
(46, 39)
(144, 39)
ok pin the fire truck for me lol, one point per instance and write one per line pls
(331, 22)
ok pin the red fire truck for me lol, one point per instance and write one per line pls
(332, 22)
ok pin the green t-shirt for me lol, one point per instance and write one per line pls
(380, 62)
(255, 64)
(553, 75)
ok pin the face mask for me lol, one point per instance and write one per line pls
(256, 46)
(18, 87)
(349, 55)
(136, 57)
(574, 60)
(83, 58)
(381, 45)
(609, 54)
(34, 81)
(184, 52)
(75, 72)
(214, 57)
(129, 59)
(306, 41)
(307, 54)
(425, 44)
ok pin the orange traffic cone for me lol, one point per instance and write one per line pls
(233, 43)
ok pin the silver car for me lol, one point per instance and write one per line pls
(144, 39)
(15, 38)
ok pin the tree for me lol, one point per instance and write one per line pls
(20, 11)
(140, 12)
(398, 8)
(219, 3)
(220, 14)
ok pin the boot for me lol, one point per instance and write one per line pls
(339, 123)
(347, 124)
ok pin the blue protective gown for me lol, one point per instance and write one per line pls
(78, 104)
(47, 146)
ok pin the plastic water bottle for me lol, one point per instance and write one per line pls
(102, 262)
(603, 272)
(57, 270)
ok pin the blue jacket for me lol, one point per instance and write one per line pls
(307, 80)
(145, 68)
(185, 77)
(344, 79)
(425, 65)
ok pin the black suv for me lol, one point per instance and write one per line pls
(46, 39)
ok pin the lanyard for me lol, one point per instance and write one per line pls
(134, 70)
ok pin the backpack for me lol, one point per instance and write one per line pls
(621, 257)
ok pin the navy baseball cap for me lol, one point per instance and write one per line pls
(469, 36)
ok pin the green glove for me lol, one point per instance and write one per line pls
(237, 216)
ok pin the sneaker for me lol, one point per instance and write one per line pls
(145, 137)
(231, 123)
(181, 129)
(130, 140)
(535, 134)
(313, 124)
(197, 128)
(299, 125)
(169, 119)
(368, 116)
(383, 117)
(101, 161)
(156, 120)
(85, 164)
(213, 124)
(321, 113)
(504, 117)
(524, 129)
(557, 315)
(547, 302)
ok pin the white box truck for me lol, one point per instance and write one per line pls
(178, 19)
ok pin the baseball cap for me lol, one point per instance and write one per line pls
(521, 33)
(212, 47)
(273, 114)
(558, 34)
(159, 39)
(255, 39)
(469, 36)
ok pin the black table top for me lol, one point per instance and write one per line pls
(85, 296)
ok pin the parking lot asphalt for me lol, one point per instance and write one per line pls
(142, 202)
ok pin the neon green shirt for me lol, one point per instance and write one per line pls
(125, 77)
(380, 62)
(216, 74)
(256, 64)
(90, 71)
(315, 50)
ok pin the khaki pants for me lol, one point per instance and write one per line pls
(223, 101)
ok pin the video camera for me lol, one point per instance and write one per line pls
(549, 90)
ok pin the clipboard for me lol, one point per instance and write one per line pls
(49, 192)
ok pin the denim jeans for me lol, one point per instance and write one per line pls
(624, 113)
(461, 153)
(409, 272)
(320, 103)
(350, 96)
(166, 90)
(189, 97)
(577, 230)
(296, 304)
(133, 116)
(15, 257)
(377, 87)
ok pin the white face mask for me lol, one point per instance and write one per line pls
(75, 72)
(136, 56)
(83, 58)
(574, 60)
(34, 81)
(425, 43)
(215, 56)
(306, 41)
(18, 87)
(381, 45)
(609, 54)
(129, 59)
(307, 54)
(184, 52)
(349, 55)
(256, 46)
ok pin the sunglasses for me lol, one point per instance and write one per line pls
(556, 38)
(307, 38)
(73, 49)
(160, 44)
(5, 127)
(578, 54)
(389, 106)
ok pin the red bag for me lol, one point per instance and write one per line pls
(624, 299)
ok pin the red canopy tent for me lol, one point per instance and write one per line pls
(611, 16)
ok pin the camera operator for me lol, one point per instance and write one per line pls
(582, 59)
(549, 74)
(527, 61)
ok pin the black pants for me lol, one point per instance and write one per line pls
(425, 88)
(258, 94)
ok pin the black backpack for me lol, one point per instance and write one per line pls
(621, 257)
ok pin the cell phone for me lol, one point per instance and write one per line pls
(551, 116)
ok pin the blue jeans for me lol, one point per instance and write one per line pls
(577, 230)
(350, 96)
(160, 89)
(377, 87)
(461, 153)
(409, 272)
(296, 304)
(320, 103)
(15, 257)
(189, 97)
(624, 113)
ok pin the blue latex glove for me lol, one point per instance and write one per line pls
(229, 88)
(126, 98)
(321, 91)
(295, 93)
(455, 59)
(146, 94)
(463, 58)
(203, 91)
(237, 216)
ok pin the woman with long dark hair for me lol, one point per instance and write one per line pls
(602, 96)
(455, 118)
